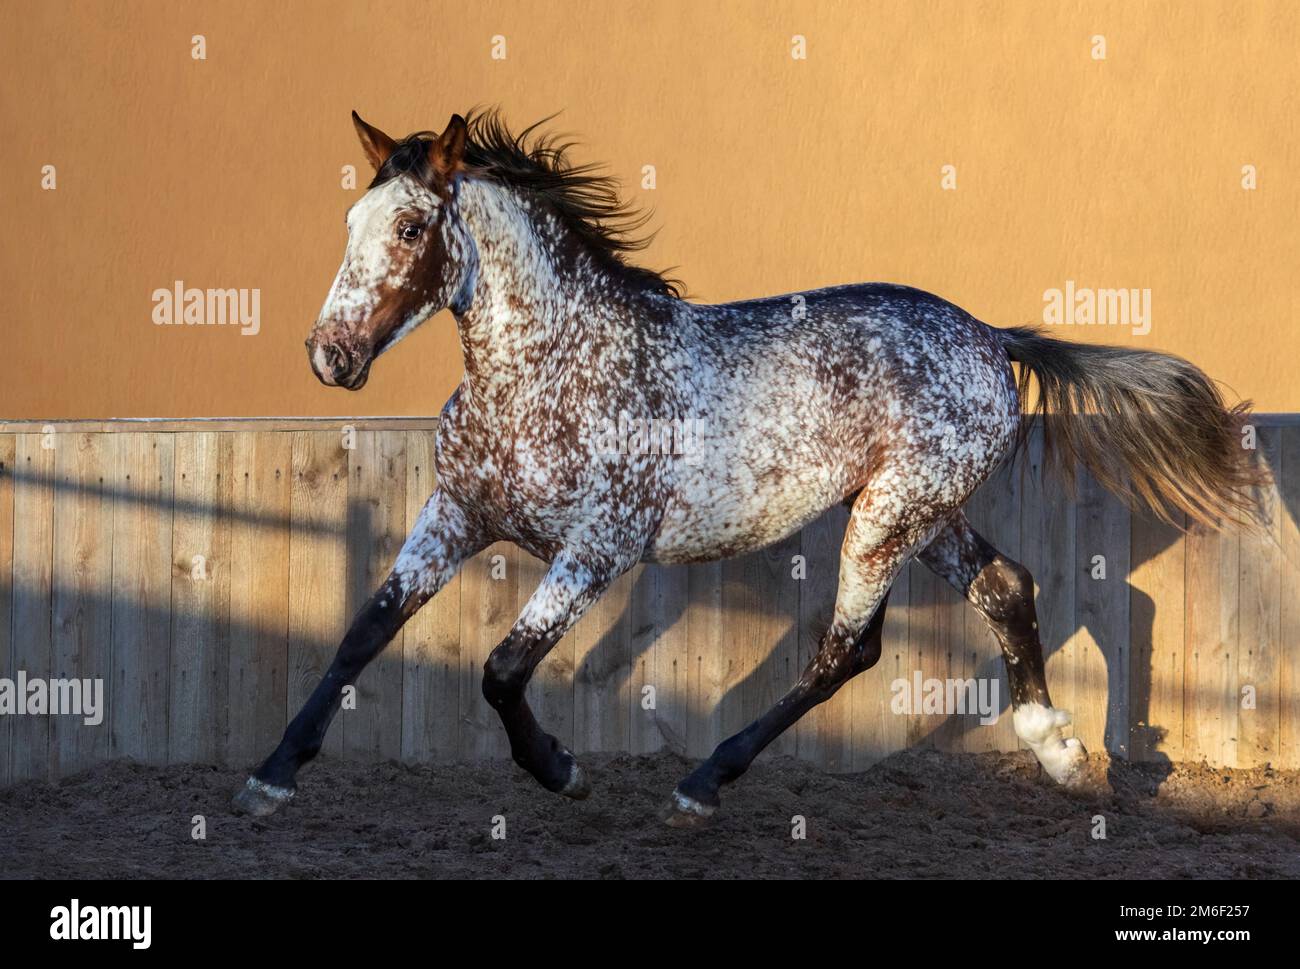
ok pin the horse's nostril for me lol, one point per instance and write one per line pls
(336, 359)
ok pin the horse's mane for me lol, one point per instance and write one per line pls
(582, 196)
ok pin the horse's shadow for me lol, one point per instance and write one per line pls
(610, 653)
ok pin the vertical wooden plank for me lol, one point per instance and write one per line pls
(710, 666)
(661, 659)
(142, 483)
(8, 445)
(551, 691)
(936, 636)
(33, 591)
(198, 708)
(1101, 610)
(1287, 472)
(1259, 643)
(431, 639)
(736, 648)
(773, 643)
(879, 728)
(83, 589)
(376, 529)
(1157, 597)
(489, 607)
(825, 734)
(747, 636)
(601, 681)
(995, 512)
(1210, 660)
(259, 591)
(317, 566)
(1047, 549)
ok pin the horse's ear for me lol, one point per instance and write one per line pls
(447, 151)
(377, 145)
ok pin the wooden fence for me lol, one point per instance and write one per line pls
(205, 571)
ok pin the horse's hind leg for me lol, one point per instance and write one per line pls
(876, 546)
(1002, 591)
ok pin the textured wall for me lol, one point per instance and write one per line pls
(773, 173)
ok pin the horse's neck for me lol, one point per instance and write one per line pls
(536, 302)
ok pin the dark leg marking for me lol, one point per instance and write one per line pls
(440, 541)
(572, 583)
(373, 628)
(506, 673)
(1002, 592)
(838, 660)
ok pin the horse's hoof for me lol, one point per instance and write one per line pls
(577, 786)
(1063, 758)
(686, 812)
(1071, 766)
(259, 799)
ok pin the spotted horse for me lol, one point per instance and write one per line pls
(884, 397)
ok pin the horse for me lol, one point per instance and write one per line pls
(891, 400)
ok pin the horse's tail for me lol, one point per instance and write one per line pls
(1151, 427)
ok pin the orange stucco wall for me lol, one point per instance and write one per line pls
(773, 173)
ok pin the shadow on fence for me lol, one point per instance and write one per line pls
(188, 678)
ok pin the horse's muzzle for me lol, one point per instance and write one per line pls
(334, 366)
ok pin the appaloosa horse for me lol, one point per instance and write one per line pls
(877, 395)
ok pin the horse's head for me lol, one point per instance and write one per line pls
(407, 253)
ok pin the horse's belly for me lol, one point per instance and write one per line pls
(712, 517)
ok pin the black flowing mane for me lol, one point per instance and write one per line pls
(585, 198)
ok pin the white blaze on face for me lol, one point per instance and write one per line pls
(368, 266)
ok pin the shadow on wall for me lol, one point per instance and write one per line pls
(210, 593)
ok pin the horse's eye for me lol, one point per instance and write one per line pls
(410, 231)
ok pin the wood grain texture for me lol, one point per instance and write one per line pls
(1157, 589)
(1101, 665)
(1210, 646)
(8, 445)
(1259, 635)
(490, 584)
(83, 596)
(710, 667)
(376, 528)
(317, 566)
(198, 704)
(208, 577)
(431, 639)
(1287, 472)
(661, 657)
(143, 480)
(261, 517)
(32, 629)
(825, 734)
(1048, 550)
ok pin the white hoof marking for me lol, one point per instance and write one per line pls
(1064, 758)
(688, 805)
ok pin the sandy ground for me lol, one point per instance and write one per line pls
(918, 814)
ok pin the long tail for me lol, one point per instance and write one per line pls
(1151, 427)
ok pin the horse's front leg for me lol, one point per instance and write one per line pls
(571, 585)
(442, 539)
